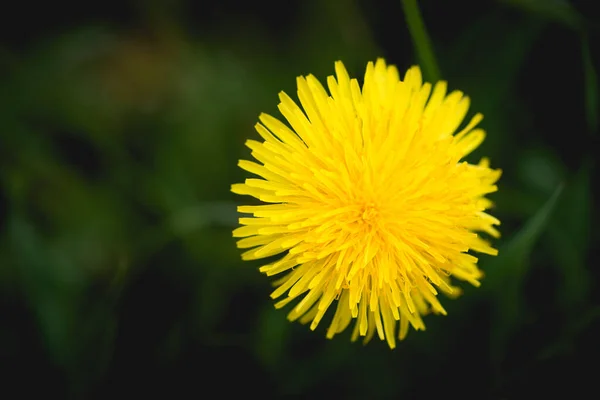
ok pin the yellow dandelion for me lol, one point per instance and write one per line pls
(368, 201)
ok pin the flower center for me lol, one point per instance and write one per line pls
(369, 212)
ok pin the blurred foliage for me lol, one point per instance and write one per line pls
(121, 128)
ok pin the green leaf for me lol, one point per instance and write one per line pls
(505, 277)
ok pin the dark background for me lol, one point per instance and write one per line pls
(121, 123)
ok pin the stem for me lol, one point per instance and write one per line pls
(421, 40)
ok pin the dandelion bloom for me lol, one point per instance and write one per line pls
(365, 198)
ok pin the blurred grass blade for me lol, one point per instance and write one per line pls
(591, 88)
(272, 337)
(519, 247)
(557, 10)
(506, 276)
(569, 241)
(570, 332)
(421, 41)
(73, 330)
(204, 215)
(494, 68)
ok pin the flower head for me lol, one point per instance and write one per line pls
(365, 198)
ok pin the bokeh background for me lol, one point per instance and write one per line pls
(121, 123)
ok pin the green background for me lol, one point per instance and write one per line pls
(121, 124)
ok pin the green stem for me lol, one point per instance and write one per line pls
(421, 40)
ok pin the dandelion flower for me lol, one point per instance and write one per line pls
(367, 200)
